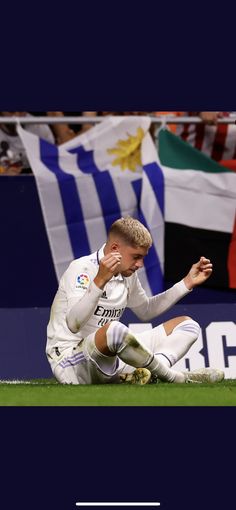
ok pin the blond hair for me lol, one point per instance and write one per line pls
(132, 231)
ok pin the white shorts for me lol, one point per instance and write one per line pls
(85, 365)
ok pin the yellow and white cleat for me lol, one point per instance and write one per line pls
(140, 376)
(204, 375)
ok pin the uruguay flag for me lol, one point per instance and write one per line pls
(89, 182)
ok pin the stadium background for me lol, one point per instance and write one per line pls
(29, 283)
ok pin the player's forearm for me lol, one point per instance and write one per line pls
(160, 303)
(80, 313)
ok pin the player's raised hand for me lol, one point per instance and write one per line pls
(198, 273)
(108, 267)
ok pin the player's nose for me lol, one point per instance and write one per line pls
(139, 264)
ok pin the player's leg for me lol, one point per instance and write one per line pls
(74, 366)
(176, 337)
(65, 364)
(115, 339)
(171, 341)
(65, 374)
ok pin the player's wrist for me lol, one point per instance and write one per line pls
(99, 282)
(188, 282)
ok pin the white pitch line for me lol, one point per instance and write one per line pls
(118, 504)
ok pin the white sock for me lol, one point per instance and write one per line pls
(164, 359)
(178, 343)
(164, 373)
(122, 342)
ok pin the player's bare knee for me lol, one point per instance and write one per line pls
(183, 318)
(103, 329)
(170, 325)
(101, 339)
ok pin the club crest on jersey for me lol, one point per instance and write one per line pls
(82, 281)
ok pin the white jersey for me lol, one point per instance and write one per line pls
(120, 292)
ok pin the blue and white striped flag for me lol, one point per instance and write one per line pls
(89, 182)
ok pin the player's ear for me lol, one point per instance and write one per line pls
(115, 246)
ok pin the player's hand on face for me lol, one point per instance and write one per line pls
(108, 267)
(198, 273)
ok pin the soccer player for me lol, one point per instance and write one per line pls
(87, 343)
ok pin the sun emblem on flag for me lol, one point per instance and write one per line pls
(128, 152)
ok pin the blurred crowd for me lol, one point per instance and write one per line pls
(217, 140)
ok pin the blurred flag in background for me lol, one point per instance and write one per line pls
(200, 205)
(87, 183)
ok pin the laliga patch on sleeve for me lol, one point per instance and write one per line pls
(82, 281)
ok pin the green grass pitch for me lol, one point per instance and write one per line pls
(47, 392)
